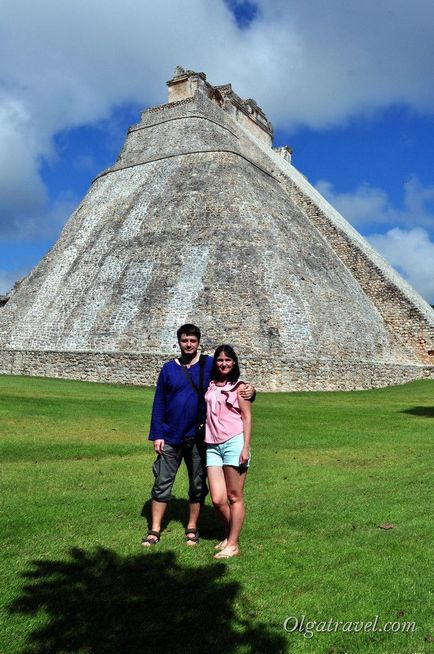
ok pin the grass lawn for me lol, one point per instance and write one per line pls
(327, 470)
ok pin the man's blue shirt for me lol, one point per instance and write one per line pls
(175, 408)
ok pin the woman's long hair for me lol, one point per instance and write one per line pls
(234, 374)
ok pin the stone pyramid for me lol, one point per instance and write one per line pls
(202, 220)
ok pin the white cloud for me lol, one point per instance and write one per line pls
(368, 205)
(21, 190)
(412, 253)
(419, 203)
(64, 64)
(341, 57)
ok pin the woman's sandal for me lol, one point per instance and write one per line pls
(148, 541)
(221, 545)
(191, 536)
(226, 555)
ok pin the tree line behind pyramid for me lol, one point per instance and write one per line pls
(202, 220)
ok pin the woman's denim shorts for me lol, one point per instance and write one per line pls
(227, 453)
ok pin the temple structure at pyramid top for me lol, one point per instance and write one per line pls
(202, 220)
(185, 83)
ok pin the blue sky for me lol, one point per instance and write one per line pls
(347, 84)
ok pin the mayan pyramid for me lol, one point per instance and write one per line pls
(201, 220)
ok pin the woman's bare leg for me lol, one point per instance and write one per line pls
(219, 497)
(235, 478)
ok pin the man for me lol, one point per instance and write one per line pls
(177, 411)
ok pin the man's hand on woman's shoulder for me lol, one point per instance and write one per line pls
(247, 391)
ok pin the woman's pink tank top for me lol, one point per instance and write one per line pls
(223, 413)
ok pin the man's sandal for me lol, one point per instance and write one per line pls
(151, 538)
(191, 536)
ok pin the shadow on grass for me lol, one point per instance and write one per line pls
(177, 511)
(101, 603)
(427, 411)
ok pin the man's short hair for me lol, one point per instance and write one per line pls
(188, 330)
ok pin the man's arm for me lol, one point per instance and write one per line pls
(158, 415)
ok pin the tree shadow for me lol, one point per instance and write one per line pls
(427, 411)
(177, 511)
(98, 602)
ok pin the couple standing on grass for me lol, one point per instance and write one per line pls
(188, 389)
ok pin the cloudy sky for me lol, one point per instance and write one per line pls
(347, 84)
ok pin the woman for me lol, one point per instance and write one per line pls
(228, 431)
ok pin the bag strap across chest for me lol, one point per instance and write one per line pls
(199, 390)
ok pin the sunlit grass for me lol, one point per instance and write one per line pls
(327, 470)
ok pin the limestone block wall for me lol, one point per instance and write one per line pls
(267, 375)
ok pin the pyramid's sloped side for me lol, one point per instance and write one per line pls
(153, 244)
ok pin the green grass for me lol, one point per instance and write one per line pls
(327, 470)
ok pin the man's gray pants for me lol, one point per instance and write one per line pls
(167, 464)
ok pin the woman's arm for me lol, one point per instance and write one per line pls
(246, 415)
